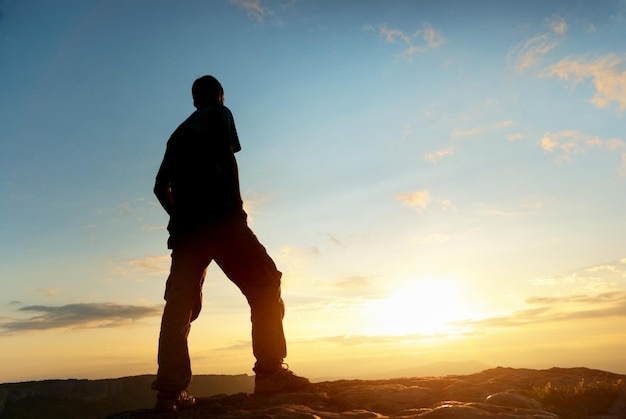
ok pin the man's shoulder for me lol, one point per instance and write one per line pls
(222, 112)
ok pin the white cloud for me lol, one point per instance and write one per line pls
(557, 25)
(607, 73)
(152, 265)
(502, 124)
(615, 144)
(569, 308)
(406, 133)
(516, 209)
(417, 199)
(569, 142)
(602, 278)
(430, 35)
(253, 8)
(391, 35)
(420, 200)
(294, 259)
(438, 155)
(430, 38)
(458, 133)
(531, 52)
(609, 268)
(124, 208)
(472, 132)
(252, 203)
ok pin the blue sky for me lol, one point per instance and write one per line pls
(449, 174)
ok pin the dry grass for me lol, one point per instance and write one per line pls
(579, 401)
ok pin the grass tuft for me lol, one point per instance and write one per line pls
(579, 401)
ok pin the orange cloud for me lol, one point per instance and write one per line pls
(417, 199)
(569, 142)
(607, 74)
(421, 199)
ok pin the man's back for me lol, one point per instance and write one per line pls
(198, 178)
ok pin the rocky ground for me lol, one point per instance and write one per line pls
(502, 393)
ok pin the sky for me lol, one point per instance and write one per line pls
(438, 181)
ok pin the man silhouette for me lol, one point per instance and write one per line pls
(198, 186)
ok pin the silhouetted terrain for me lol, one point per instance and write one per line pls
(84, 399)
(498, 393)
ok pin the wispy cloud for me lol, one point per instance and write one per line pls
(424, 38)
(567, 143)
(602, 278)
(354, 282)
(531, 52)
(294, 259)
(436, 156)
(88, 315)
(557, 25)
(481, 130)
(251, 204)
(418, 199)
(421, 199)
(516, 209)
(149, 265)
(255, 9)
(50, 292)
(608, 74)
(543, 310)
(336, 241)
(431, 36)
(124, 208)
(514, 137)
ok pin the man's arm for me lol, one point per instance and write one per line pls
(162, 185)
(226, 157)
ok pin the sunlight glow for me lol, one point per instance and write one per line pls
(425, 307)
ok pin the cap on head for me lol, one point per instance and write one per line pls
(206, 91)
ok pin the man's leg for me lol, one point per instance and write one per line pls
(183, 296)
(246, 262)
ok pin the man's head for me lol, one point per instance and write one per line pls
(207, 91)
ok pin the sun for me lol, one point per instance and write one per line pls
(424, 307)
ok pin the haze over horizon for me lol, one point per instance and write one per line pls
(437, 181)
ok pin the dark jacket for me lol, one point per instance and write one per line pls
(198, 179)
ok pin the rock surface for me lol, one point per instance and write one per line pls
(495, 393)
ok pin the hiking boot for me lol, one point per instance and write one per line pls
(173, 402)
(282, 379)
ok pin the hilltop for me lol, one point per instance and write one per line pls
(499, 393)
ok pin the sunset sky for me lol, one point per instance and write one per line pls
(437, 180)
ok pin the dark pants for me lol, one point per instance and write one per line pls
(237, 251)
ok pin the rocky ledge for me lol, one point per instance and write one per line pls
(502, 393)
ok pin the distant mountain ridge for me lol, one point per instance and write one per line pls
(437, 369)
(84, 399)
